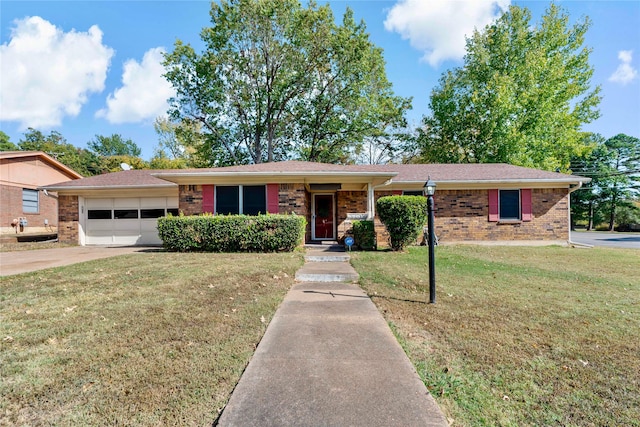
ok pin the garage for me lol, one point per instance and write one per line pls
(125, 221)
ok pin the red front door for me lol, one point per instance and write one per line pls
(323, 216)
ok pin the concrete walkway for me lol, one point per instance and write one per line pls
(328, 358)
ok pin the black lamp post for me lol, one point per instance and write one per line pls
(429, 190)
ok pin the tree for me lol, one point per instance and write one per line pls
(585, 202)
(624, 180)
(277, 81)
(114, 163)
(614, 169)
(82, 161)
(521, 96)
(114, 145)
(6, 144)
(179, 144)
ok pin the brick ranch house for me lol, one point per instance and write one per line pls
(473, 202)
(21, 173)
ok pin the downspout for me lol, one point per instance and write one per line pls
(371, 203)
(46, 193)
(570, 242)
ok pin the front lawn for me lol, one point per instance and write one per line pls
(149, 339)
(518, 336)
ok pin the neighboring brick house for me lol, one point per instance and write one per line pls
(21, 175)
(473, 202)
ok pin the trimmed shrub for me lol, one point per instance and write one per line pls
(231, 233)
(404, 217)
(364, 234)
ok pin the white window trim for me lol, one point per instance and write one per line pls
(37, 193)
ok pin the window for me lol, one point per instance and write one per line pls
(29, 201)
(412, 193)
(509, 204)
(99, 214)
(227, 200)
(241, 199)
(254, 199)
(125, 214)
(151, 213)
(173, 211)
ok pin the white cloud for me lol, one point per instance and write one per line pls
(439, 27)
(144, 91)
(625, 73)
(47, 74)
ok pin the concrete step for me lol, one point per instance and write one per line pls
(327, 258)
(327, 271)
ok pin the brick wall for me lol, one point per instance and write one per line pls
(11, 208)
(190, 199)
(356, 202)
(68, 219)
(294, 198)
(462, 215)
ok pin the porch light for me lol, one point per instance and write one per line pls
(429, 187)
(429, 191)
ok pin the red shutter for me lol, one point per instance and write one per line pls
(273, 196)
(397, 192)
(525, 202)
(494, 212)
(208, 203)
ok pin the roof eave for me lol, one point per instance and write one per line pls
(497, 183)
(274, 176)
(70, 189)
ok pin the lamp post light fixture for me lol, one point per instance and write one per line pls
(429, 190)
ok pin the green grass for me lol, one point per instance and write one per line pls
(148, 339)
(518, 336)
(29, 246)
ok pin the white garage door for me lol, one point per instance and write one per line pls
(126, 221)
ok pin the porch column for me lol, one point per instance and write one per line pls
(371, 205)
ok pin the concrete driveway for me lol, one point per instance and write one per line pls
(607, 239)
(39, 259)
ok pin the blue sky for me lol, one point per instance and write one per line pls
(86, 68)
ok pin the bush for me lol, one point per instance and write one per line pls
(404, 217)
(232, 233)
(364, 234)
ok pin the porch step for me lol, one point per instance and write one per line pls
(327, 257)
(326, 271)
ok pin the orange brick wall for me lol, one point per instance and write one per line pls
(68, 219)
(294, 198)
(190, 199)
(11, 208)
(462, 215)
(356, 202)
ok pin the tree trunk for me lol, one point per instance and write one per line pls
(612, 218)
(590, 222)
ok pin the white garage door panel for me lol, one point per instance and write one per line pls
(99, 203)
(127, 231)
(126, 203)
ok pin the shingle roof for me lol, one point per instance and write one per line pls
(122, 179)
(400, 173)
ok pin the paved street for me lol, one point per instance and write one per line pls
(606, 239)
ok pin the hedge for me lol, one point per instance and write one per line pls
(364, 234)
(231, 233)
(404, 217)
